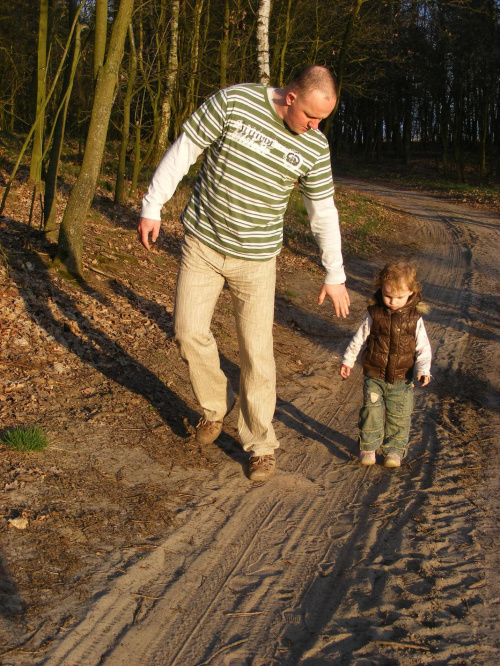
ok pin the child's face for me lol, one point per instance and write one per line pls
(395, 297)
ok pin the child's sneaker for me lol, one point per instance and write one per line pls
(392, 460)
(367, 457)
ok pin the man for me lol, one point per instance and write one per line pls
(259, 141)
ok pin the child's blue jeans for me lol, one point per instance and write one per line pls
(385, 418)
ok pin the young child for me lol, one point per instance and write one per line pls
(396, 348)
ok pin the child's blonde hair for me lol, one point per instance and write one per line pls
(399, 274)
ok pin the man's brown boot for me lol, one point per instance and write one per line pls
(261, 467)
(208, 431)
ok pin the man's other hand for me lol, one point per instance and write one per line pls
(144, 228)
(340, 298)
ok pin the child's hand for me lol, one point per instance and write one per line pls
(345, 371)
(424, 379)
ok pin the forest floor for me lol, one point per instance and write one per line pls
(124, 542)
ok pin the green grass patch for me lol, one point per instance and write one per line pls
(25, 439)
(364, 222)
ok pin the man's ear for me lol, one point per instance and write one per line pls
(290, 98)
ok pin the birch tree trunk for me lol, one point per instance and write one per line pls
(263, 15)
(69, 248)
(172, 69)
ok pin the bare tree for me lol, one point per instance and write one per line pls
(41, 89)
(70, 245)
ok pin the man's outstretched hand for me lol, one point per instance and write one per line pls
(340, 298)
(144, 228)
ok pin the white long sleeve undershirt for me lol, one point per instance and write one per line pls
(174, 165)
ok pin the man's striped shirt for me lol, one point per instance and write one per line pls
(251, 164)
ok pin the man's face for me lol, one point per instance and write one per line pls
(305, 111)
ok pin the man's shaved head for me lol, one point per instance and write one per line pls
(314, 77)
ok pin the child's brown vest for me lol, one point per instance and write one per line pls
(390, 350)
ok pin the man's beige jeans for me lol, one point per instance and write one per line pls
(200, 281)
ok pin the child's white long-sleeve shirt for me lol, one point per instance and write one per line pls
(423, 351)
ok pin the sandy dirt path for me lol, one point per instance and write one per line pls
(332, 563)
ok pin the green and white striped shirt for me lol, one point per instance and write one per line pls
(250, 167)
(242, 131)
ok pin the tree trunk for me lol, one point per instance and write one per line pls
(161, 30)
(483, 129)
(243, 76)
(172, 69)
(127, 101)
(224, 46)
(201, 52)
(12, 113)
(69, 249)
(50, 221)
(264, 13)
(407, 125)
(154, 95)
(189, 106)
(316, 41)
(458, 125)
(137, 160)
(101, 33)
(41, 83)
(284, 46)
